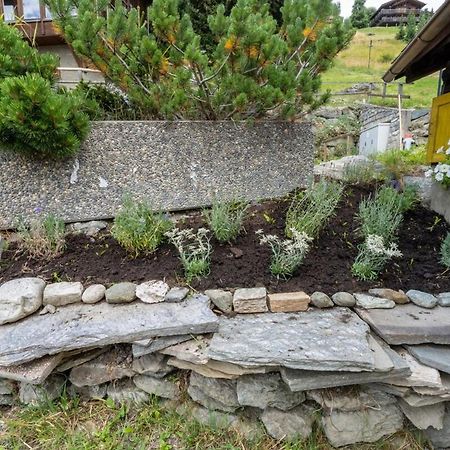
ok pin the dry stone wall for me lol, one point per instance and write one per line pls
(371, 363)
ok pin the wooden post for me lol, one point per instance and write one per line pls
(400, 116)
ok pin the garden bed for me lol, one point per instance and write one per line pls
(327, 267)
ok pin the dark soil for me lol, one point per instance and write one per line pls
(245, 263)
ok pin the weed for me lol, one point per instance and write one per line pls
(3, 245)
(42, 237)
(194, 249)
(226, 219)
(138, 229)
(362, 173)
(310, 210)
(445, 252)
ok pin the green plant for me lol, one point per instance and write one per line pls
(42, 237)
(194, 248)
(397, 163)
(386, 58)
(287, 254)
(445, 252)
(360, 16)
(137, 228)
(36, 120)
(310, 210)
(3, 245)
(226, 219)
(256, 66)
(361, 173)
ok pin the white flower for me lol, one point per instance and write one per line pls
(447, 151)
(375, 244)
(429, 173)
(439, 176)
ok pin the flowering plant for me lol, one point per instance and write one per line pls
(441, 172)
(288, 254)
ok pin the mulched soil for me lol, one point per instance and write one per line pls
(245, 263)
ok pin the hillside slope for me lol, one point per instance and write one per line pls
(351, 67)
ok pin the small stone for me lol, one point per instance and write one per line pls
(63, 293)
(369, 302)
(214, 419)
(93, 294)
(121, 293)
(89, 228)
(422, 299)
(125, 391)
(20, 298)
(398, 297)
(343, 299)
(289, 302)
(6, 387)
(444, 299)
(156, 386)
(49, 390)
(177, 294)
(153, 364)
(424, 416)
(250, 300)
(47, 309)
(89, 392)
(5, 400)
(153, 291)
(321, 300)
(288, 425)
(221, 299)
(236, 252)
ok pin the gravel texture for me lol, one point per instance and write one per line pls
(173, 165)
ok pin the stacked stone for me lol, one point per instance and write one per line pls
(365, 361)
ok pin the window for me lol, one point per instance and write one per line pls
(10, 10)
(31, 9)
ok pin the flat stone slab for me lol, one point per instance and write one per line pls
(409, 324)
(80, 326)
(325, 340)
(436, 356)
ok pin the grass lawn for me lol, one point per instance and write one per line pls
(101, 425)
(351, 67)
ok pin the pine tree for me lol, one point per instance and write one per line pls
(359, 17)
(255, 66)
(411, 28)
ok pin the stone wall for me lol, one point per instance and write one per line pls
(173, 165)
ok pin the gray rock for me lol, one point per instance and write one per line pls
(153, 291)
(156, 386)
(296, 340)
(398, 297)
(112, 365)
(5, 400)
(63, 293)
(154, 365)
(151, 345)
(80, 358)
(6, 387)
(444, 299)
(125, 391)
(370, 302)
(422, 299)
(47, 309)
(88, 392)
(289, 425)
(370, 425)
(267, 390)
(89, 228)
(176, 294)
(409, 324)
(50, 390)
(213, 419)
(424, 416)
(194, 350)
(436, 356)
(93, 294)
(81, 326)
(19, 298)
(121, 293)
(221, 299)
(321, 300)
(213, 393)
(441, 438)
(343, 299)
(250, 300)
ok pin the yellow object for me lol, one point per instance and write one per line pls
(439, 134)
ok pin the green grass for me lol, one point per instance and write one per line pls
(350, 67)
(71, 425)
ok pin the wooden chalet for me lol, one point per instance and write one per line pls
(396, 12)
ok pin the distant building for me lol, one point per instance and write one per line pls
(396, 12)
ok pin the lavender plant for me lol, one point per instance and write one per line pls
(194, 248)
(445, 252)
(287, 254)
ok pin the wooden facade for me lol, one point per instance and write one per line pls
(396, 12)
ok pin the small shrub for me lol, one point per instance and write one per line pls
(226, 219)
(288, 254)
(310, 210)
(385, 58)
(365, 173)
(138, 229)
(194, 249)
(43, 237)
(36, 120)
(445, 252)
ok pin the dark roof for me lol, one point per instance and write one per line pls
(428, 52)
(414, 3)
